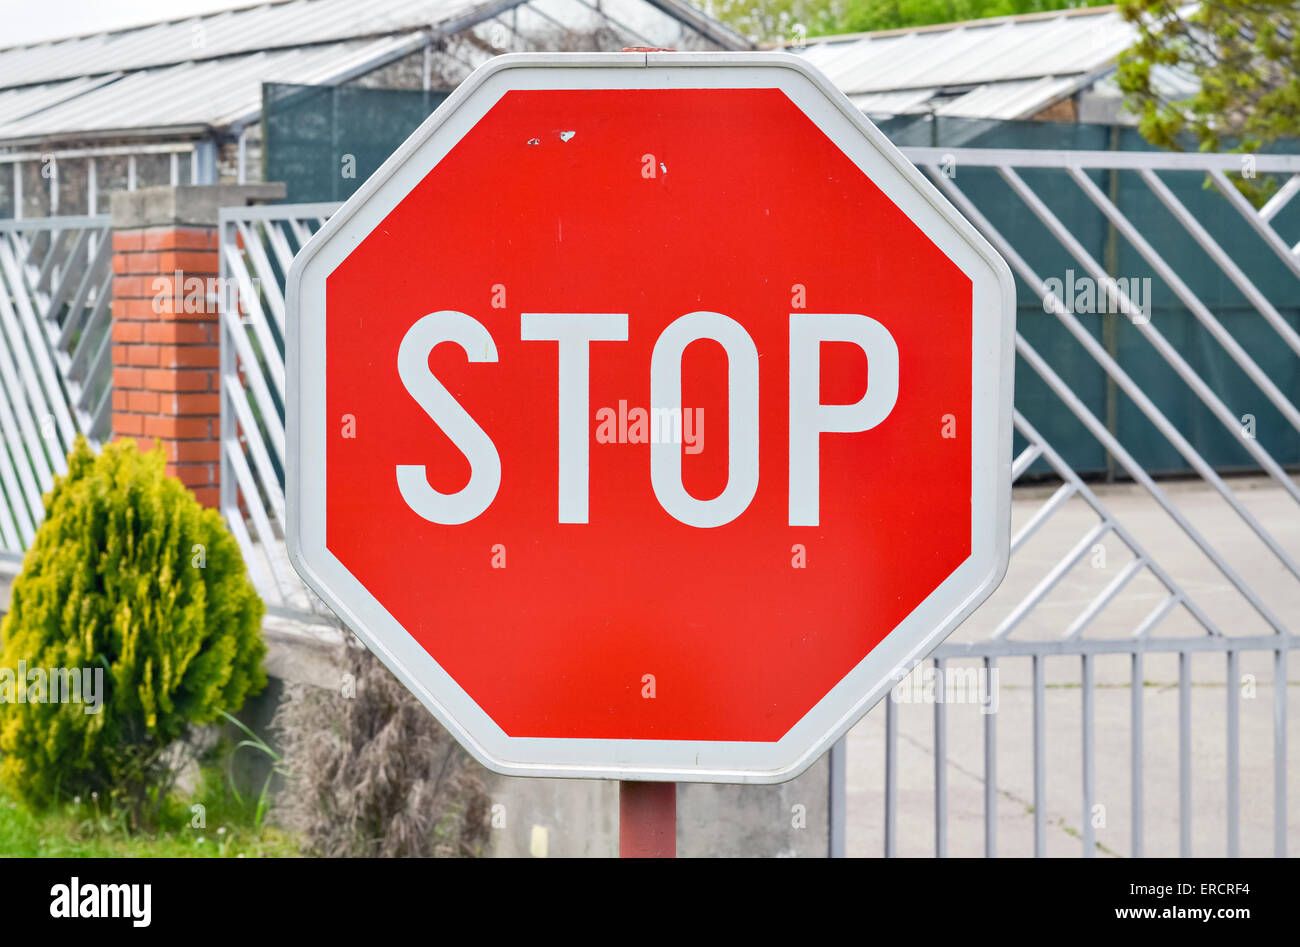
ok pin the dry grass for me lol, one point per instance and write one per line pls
(375, 774)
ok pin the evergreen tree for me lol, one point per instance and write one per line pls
(129, 575)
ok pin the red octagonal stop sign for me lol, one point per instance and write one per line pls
(649, 415)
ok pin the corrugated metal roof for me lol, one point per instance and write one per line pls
(207, 71)
(15, 103)
(1172, 82)
(991, 100)
(293, 23)
(206, 93)
(1007, 67)
(1009, 99)
(892, 103)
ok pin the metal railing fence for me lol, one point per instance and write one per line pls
(257, 244)
(1271, 634)
(55, 357)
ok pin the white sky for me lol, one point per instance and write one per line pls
(24, 21)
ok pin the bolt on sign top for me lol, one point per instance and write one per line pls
(649, 414)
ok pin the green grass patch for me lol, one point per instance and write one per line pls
(228, 826)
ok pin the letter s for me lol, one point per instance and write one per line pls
(485, 463)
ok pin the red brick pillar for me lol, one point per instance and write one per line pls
(166, 338)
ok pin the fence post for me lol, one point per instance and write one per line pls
(166, 330)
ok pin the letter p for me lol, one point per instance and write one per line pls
(809, 418)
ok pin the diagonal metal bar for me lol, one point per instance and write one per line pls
(20, 485)
(22, 387)
(100, 367)
(43, 387)
(252, 371)
(50, 305)
(1194, 305)
(56, 251)
(10, 538)
(300, 231)
(252, 437)
(1023, 462)
(272, 361)
(96, 276)
(1279, 200)
(1098, 430)
(262, 270)
(279, 245)
(253, 502)
(1049, 581)
(1176, 361)
(1042, 515)
(100, 421)
(256, 563)
(1131, 466)
(96, 327)
(1086, 493)
(1104, 597)
(55, 356)
(1155, 616)
(1260, 225)
(1223, 259)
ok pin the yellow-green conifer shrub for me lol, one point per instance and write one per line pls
(129, 574)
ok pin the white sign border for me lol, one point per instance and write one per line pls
(663, 760)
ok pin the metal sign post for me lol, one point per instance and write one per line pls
(647, 820)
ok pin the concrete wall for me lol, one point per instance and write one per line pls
(565, 818)
(579, 818)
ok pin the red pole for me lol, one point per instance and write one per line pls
(647, 820)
